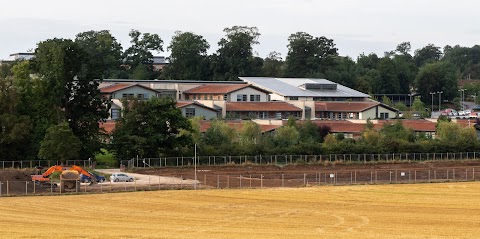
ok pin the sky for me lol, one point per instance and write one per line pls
(356, 26)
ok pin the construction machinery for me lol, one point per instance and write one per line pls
(69, 178)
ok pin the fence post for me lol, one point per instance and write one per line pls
(218, 181)
(415, 176)
(283, 182)
(304, 179)
(447, 173)
(250, 181)
(160, 182)
(453, 174)
(429, 176)
(240, 181)
(261, 180)
(355, 177)
(473, 174)
(351, 177)
(466, 174)
(228, 181)
(371, 177)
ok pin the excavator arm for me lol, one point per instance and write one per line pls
(84, 172)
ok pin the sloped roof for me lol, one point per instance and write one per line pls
(220, 89)
(341, 126)
(237, 125)
(261, 106)
(181, 104)
(292, 87)
(108, 126)
(345, 106)
(121, 86)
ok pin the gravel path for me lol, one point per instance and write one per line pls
(146, 179)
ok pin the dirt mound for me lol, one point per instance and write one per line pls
(15, 181)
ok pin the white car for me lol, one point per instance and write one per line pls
(120, 177)
(467, 112)
(461, 113)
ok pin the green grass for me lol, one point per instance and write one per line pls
(105, 159)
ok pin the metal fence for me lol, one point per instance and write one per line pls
(211, 180)
(292, 159)
(257, 160)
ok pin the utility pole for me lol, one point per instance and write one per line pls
(440, 100)
(432, 93)
(462, 98)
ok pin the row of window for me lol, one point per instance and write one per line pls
(252, 98)
(263, 115)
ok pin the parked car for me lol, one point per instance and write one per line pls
(121, 177)
(86, 179)
(467, 112)
(461, 113)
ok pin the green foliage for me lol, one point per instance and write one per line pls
(427, 54)
(387, 100)
(138, 57)
(188, 57)
(106, 158)
(235, 54)
(434, 77)
(308, 55)
(273, 65)
(60, 144)
(150, 128)
(286, 136)
(104, 53)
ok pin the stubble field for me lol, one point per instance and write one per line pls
(446, 210)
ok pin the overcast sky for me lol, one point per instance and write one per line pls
(356, 26)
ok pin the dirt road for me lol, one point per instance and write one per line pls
(146, 179)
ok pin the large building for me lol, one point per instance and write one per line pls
(267, 98)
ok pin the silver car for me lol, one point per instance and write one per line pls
(120, 177)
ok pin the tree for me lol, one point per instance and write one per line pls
(104, 53)
(187, 58)
(235, 54)
(434, 77)
(308, 55)
(60, 144)
(71, 91)
(139, 55)
(150, 128)
(286, 136)
(427, 54)
(273, 65)
(404, 49)
(14, 126)
(309, 132)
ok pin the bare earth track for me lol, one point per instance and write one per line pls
(248, 176)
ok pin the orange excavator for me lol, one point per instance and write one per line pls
(69, 176)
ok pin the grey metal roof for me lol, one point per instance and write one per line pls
(291, 87)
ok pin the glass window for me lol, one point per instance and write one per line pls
(254, 97)
(127, 96)
(241, 97)
(293, 98)
(263, 115)
(384, 116)
(115, 113)
(190, 112)
(278, 115)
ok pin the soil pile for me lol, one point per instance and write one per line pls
(13, 181)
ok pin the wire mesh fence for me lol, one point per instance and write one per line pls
(211, 180)
(292, 159)
(255, 160)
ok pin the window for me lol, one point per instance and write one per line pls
(127, 96)
(225, 97)
(115, 113)
(241, 97)
(254, 97)
(142, 96)
(262, 115)
(293, 98)
(384, 116)
(190, 112)
(278, 115)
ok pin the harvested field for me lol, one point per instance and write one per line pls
(447, 210)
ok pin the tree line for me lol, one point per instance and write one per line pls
(155, 128)
(54, 99)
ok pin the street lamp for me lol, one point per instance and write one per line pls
(440, 100)
(432, 93)
(462, 96)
